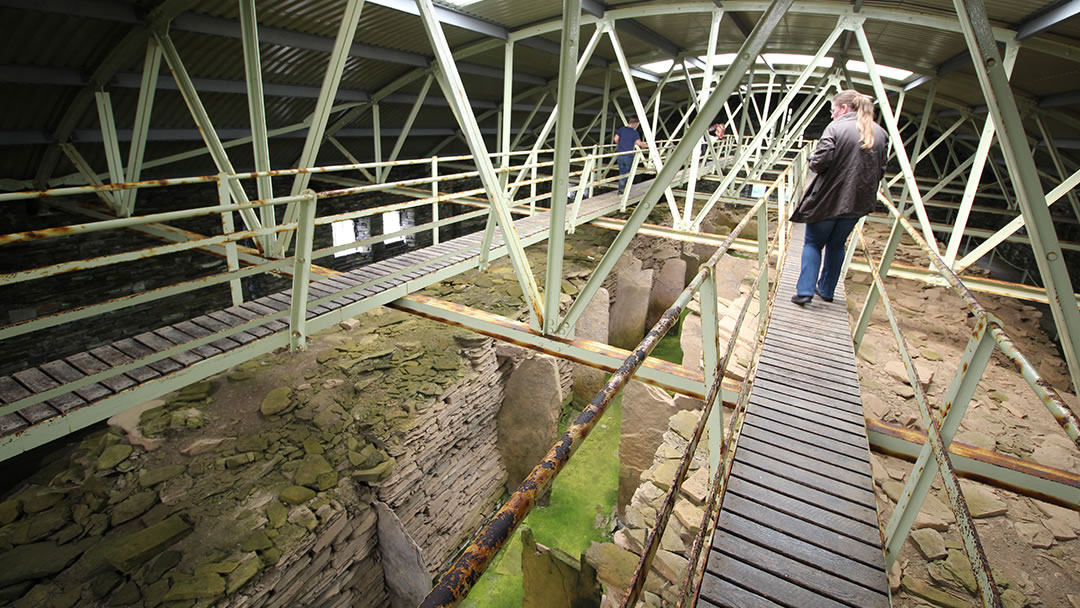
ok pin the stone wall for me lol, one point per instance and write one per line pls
(615, 562)
(449, 472)
(259, 488)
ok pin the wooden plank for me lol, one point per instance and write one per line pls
(805, 494)
(135, 350)
(263, 310)
(811, 433)
(787, 433)
(245, 316)
(806, 345)
(811, 323)
(818, 581)
(715, 591)
(216, 326)
(11, 423)
(808, 368)
(194, 329)
(810, 531)
(113, 357)
(829, 365)
(792, 455)
(847, 394)
(11, 391)
(272, 303)
(778, 590)
(840, 410)
(39, 412)
(63, 373)
(793, 407)
(157, 344)
(794, 329)
(785, 468)
(810, 446)
(858, 578)
(176, 336)
(847, 402)
(89, 364)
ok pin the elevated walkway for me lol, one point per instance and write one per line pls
(73, 402)
(798, 526)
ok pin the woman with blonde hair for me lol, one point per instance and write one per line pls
(847, 165)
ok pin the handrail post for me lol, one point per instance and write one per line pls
(763, 260)
(305, 232)
(227, 228)
(710, 342)
(435, 201)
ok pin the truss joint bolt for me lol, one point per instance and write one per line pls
(1052, 256)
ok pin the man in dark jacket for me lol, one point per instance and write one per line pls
(848, 163)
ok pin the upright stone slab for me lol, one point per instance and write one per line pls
(690, 341)
(528, 420)
(553, 579)
(666, 287)
(402, 559)
(627, 321)
(645, 413)
(593, 325)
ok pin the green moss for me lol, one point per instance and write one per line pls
(583, 493)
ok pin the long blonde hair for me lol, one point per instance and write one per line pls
(864, 108)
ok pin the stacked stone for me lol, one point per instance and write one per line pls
(449, 472)
(615, 563)
(335, 567)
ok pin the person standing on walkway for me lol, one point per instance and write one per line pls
(848, 165)
(626, 139)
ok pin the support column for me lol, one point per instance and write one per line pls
(986, 140)
(1001, 105)
(323, 105)
(147, 87)
(260, 142)
(564, 126)
(891, 122)
(507, 109)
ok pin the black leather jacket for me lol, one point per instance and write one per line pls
(845, 177)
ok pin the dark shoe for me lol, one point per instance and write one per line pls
(821, 296)
(620, 190)
(802, 300)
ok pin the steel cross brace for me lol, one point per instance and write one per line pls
(202, 119)
(260, 141)
(454, 91)
(730, 80)
(1001, 105)
(781, 108)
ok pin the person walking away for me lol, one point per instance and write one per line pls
(626, 139)
(848, 165)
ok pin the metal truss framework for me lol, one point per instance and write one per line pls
(774, 156)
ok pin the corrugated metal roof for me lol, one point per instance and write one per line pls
(78, 44)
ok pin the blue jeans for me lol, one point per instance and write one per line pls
(830, 235)
(625, 161)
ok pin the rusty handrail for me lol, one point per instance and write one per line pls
(1066, 418)
(456, 582)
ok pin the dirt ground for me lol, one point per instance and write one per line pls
(1031, 545)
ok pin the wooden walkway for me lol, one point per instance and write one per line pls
(436, 263)
(799, 526)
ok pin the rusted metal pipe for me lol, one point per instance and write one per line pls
(980, 568)
(1049, 397)
(456, 582)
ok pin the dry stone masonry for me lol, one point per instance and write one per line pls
(276, 484)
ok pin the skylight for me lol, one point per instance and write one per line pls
(460, 2)
(660, 67)
(884, 70)
(794, 59)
